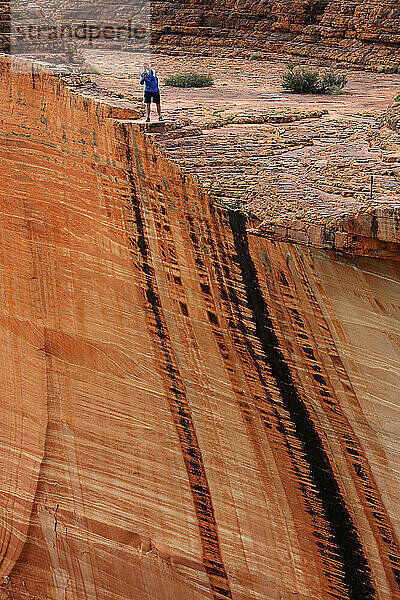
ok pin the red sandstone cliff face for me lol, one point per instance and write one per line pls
(363, 31)
(188, 411)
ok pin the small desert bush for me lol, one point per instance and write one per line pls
(388, 70)
(332, 81)
(304, 80)
(89, 68)
(188, 80)
(397, 99)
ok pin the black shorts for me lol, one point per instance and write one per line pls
(155, 96)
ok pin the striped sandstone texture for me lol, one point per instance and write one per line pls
(353, 31)
(188, 410)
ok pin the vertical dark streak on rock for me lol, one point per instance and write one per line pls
(180, 410)
(268, 413)
(374, 227)
(365, 481)
(356, 571)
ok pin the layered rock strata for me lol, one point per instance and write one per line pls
(309, 184)
(189, 411)
(5, 16)
(361, 32)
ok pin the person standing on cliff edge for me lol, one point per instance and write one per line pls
(151, 90)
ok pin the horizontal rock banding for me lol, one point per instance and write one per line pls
(362, 32)
(214, 414)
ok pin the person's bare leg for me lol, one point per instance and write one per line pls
(159, 111)
(148, 109)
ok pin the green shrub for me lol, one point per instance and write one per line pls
(300, 80)
(303, 80)
(188, 80)
(397, 99)
(331, 81)
(388, 70)
(93, 69)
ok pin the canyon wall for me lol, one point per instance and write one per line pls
(361, 32)
(188, 410)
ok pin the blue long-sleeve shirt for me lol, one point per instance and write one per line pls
(150, 81)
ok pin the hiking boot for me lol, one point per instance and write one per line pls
(160, 118)
(148, 120)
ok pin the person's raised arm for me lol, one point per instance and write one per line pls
(142, 78)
